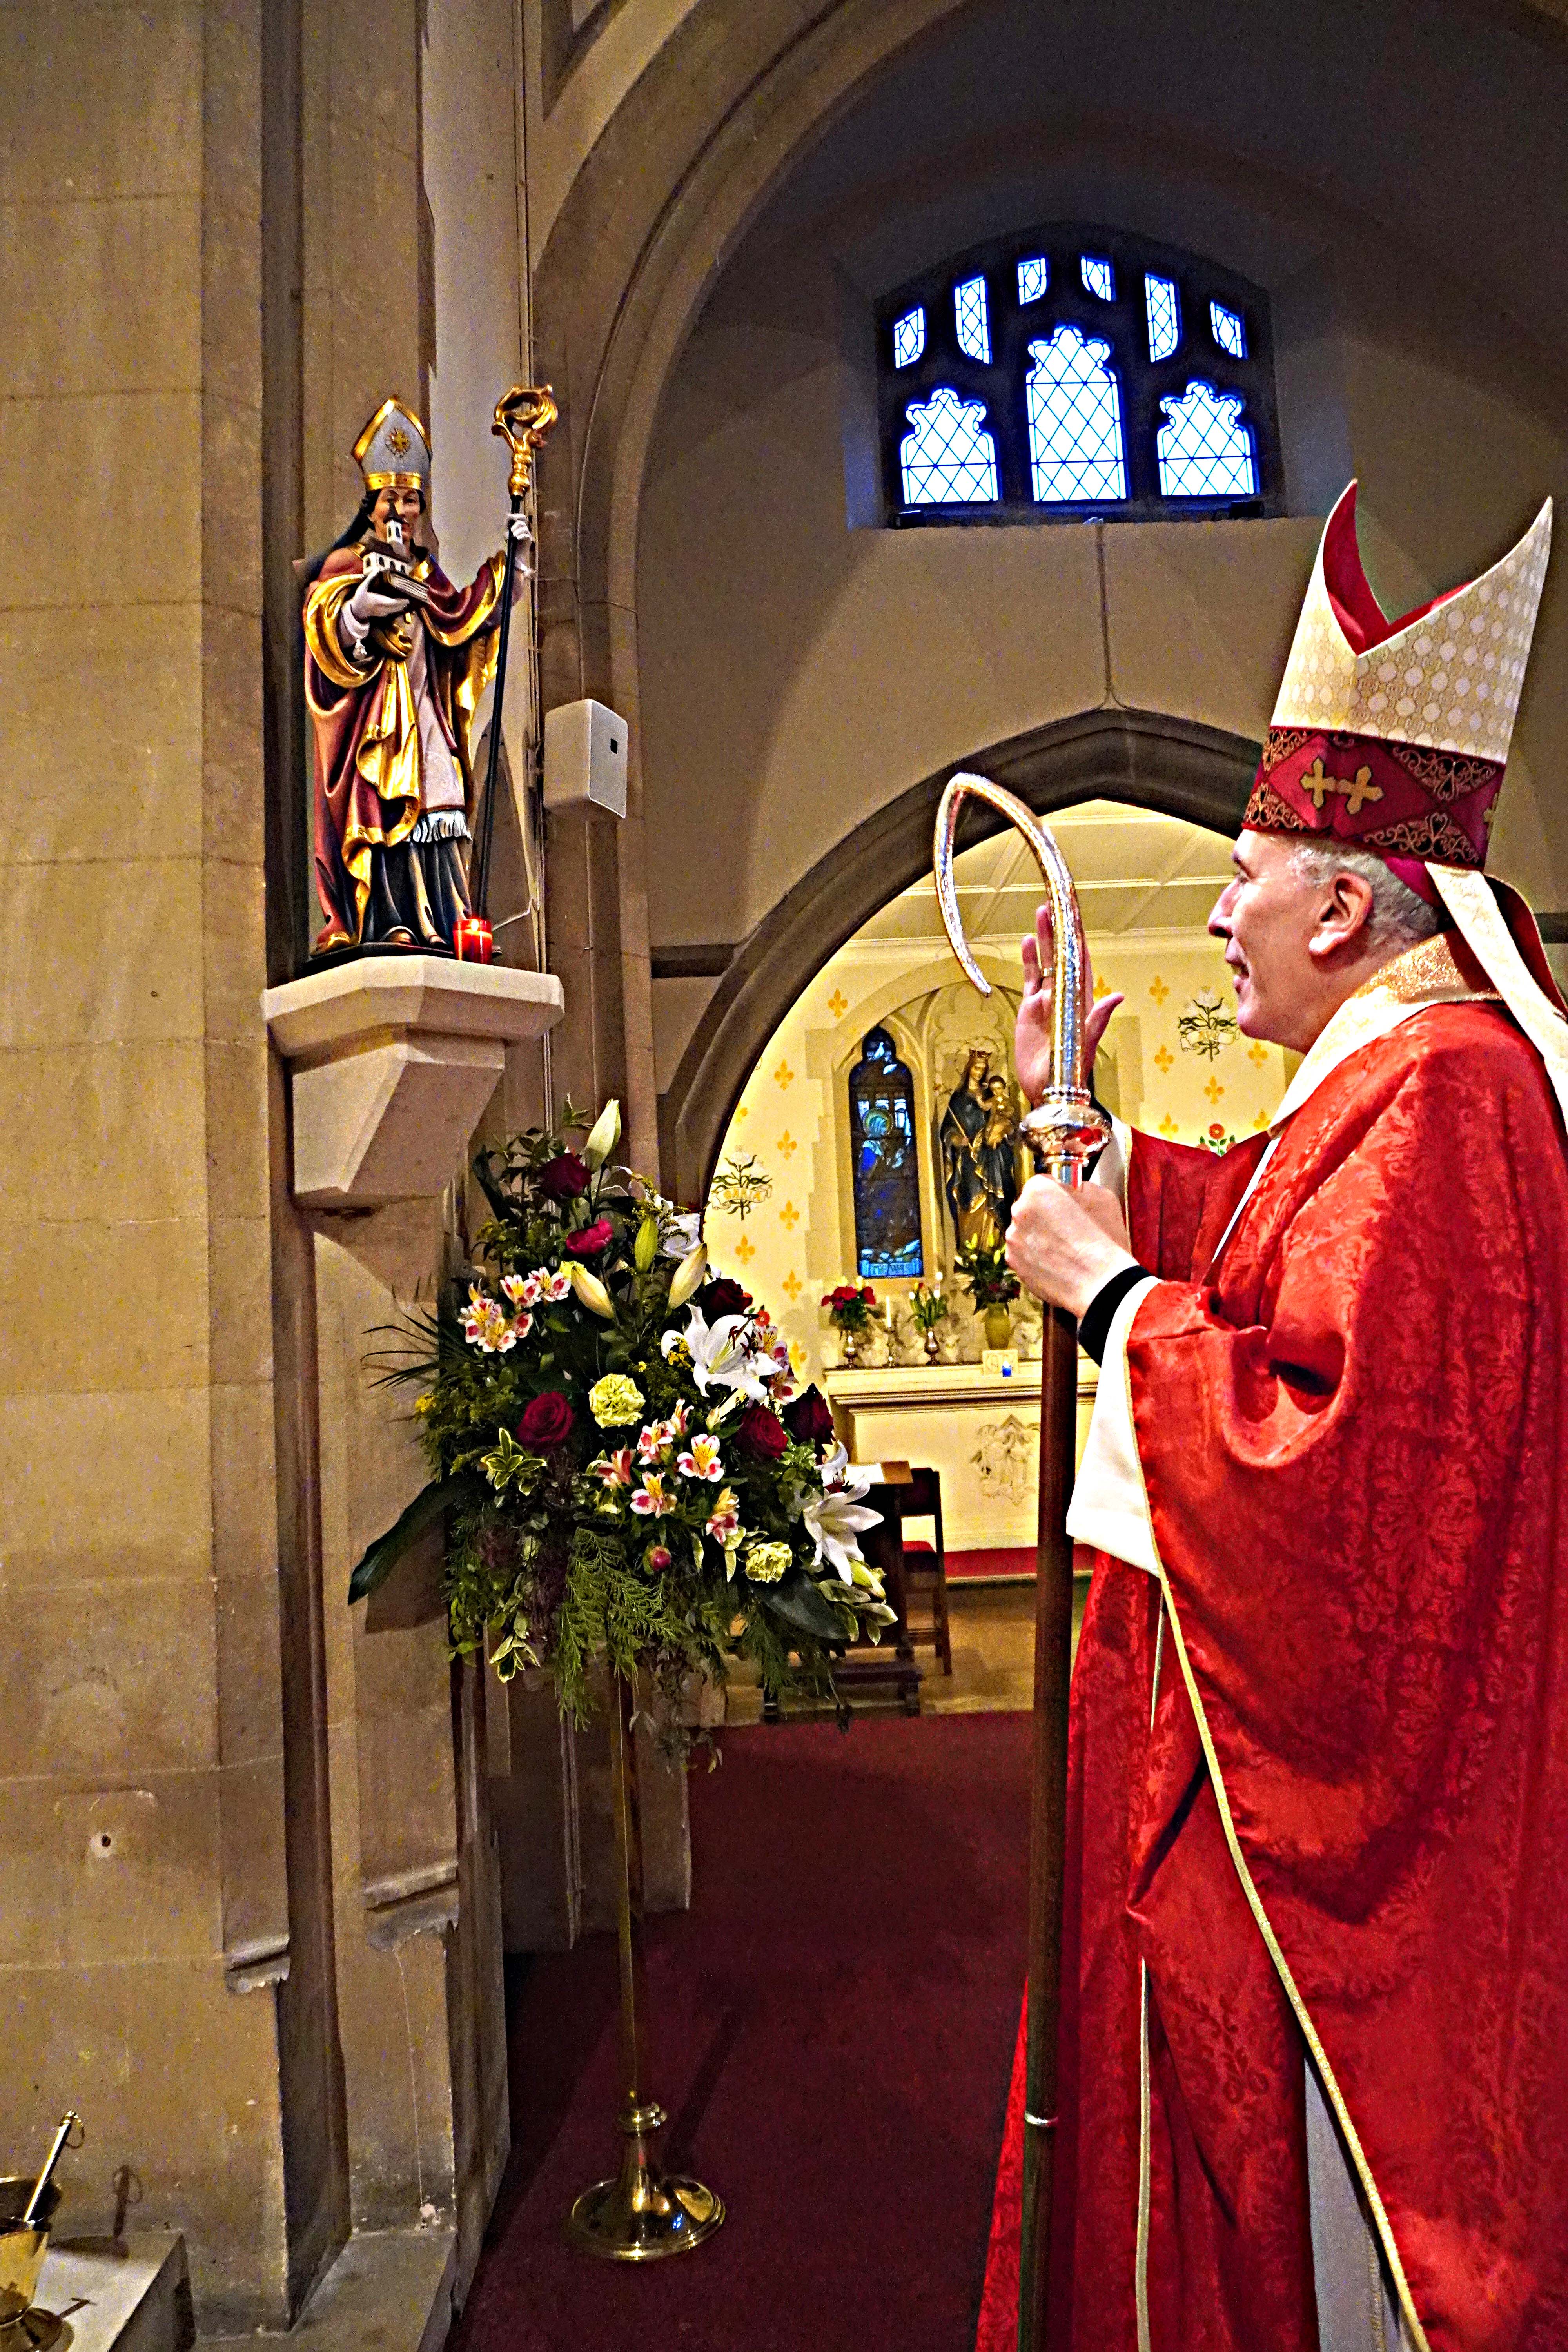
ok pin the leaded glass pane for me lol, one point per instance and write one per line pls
(1164, 306)
(948, 458)
(908, 337)
(1098, 276)
(1033, 277)
(971, 314)
(1206, 451)
(885, 1172)
(1075, 420)
(1229, 330)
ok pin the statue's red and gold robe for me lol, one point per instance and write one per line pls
(364, 723)
(1318, 1775)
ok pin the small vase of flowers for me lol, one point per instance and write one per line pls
(928, 1308)
(993, 1285)
(849, 1312)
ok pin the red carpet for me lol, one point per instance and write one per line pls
(834, 2025)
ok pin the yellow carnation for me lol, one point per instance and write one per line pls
(767, 1563)
(615, 1401)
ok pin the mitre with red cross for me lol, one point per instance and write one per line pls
(1393, 735)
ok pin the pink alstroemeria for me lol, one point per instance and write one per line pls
(653, 1441)
(680, 1419)
(703, 1461)
(653, 1499)
(522, 1289)
(487, 1326)
(616, 1469)
(726, 1515)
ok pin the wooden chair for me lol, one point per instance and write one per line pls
(924, 1570)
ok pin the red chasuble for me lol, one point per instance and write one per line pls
(1319, 1773)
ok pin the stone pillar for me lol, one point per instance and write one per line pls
(146, 1924)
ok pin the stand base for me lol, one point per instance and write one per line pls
(32, 2331)
(643, 2213)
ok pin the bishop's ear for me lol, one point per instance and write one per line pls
(1343, 915)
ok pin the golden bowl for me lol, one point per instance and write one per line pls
(22, 2250)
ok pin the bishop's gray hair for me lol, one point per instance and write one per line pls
(1399, 915)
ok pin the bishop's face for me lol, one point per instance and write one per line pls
(401, 505)
(1268, 915)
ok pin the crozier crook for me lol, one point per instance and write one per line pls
(1067, 1129)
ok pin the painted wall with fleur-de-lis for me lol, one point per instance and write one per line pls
(786, 1159)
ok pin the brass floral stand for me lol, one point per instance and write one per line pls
(642, 2214)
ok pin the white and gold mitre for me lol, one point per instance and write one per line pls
(1447, 677)
(393, 453)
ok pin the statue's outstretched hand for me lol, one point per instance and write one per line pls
(1032, 1032)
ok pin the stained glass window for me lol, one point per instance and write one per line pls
(909, 338)
(1205, 450)
(1075, 420)
(884, 1169)
(1164, 306)
(948, 458)
(1047, 375)
(1229, 330)
(973, 320)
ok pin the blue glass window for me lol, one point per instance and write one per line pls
(1048, 374)
(885, 1171)
(972, 318)
(1075, 420)
(1164, 306)
(1206, 451)
(947, 458)
(1229, 330)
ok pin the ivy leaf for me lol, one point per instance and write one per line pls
(429, 1505)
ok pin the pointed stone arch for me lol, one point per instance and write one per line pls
(1139, 757)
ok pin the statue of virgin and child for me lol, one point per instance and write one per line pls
(984, 1166)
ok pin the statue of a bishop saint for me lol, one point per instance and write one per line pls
(397, 661)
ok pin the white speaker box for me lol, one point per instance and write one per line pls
(584, 756)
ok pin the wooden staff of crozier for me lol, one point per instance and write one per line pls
(523, 417)
(1067, 1131)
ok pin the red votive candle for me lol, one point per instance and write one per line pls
(474, 940)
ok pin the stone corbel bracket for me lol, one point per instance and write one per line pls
(392, 1059)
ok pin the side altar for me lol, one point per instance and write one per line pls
(981, 1430)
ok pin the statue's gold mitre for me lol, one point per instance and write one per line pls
(393, 453)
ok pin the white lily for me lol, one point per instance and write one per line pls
(680, 1230)
(720, 1356)
(838, 1516)
(687, 1277)
(603, 1136)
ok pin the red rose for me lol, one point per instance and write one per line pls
(548, 1421)
(869, 1295)
(592, 1239)
(725, 1296)
(809, 1418)
(847, 1295)
(657, 1558)
(564, 1178)
(760, 1434)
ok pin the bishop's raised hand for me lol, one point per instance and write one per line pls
(1031, 1031)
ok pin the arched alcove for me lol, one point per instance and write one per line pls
(1141, 758)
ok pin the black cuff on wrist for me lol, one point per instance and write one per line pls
(1094, 1327)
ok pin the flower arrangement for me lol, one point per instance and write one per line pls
(990, 1280)
(625, 1467)
(928, 1308)
(850, 1305)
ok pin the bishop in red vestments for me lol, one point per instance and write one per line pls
(1314, 2028)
